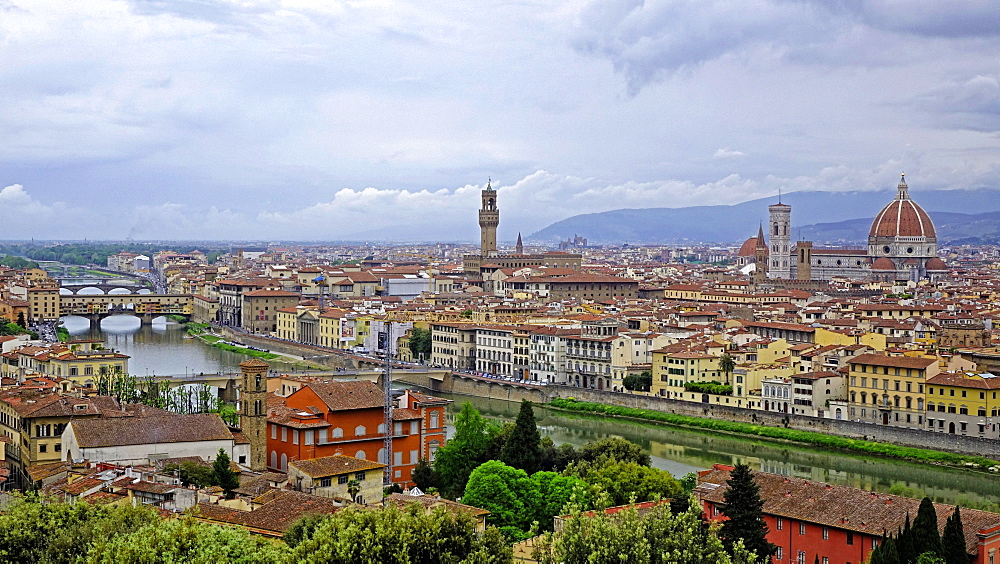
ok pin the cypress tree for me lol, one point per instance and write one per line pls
(744, 508)
(953, 541)
(904, 543)
(885, 553)
(523, 447)
(926, 537)
(223, 476)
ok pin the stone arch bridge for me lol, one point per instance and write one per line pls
(144, 306)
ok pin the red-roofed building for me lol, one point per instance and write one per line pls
(347, 417)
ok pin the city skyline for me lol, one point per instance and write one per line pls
(281, 120)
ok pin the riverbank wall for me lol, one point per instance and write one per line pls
(959, 444)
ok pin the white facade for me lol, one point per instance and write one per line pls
(780, 241)
(147, 453)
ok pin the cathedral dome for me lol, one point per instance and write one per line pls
(902, 218)
(747, 250)
(936, 264)
(883, 263)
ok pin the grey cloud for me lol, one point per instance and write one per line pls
(973, 104)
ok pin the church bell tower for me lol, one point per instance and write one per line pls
(489, 219)
(253, 410)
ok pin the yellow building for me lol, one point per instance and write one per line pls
(963, 403)
(33, 421)
(44, 302)
(889, 390)
(79, 361)
(671, 370)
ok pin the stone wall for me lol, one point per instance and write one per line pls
(895, 435)
(316, 355)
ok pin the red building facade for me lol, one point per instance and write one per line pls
(324, 419)
(810, 520)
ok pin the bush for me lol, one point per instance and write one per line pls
(714, 387)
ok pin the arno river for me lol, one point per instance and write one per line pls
(162, 349)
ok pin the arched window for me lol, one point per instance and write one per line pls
(338, 433)
(381, 428)
(274, 459)
(360, 454)
(360, 431)
(284, 462)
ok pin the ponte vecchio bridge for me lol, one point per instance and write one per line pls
(144, 306)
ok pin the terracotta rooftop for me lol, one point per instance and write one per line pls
(334, 465)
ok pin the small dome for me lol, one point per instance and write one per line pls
(883, 263)
(902, 218)
(748, 248)
(936, 264)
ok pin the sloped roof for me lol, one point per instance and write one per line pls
(91, 433)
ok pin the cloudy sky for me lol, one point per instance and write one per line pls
(320, 120)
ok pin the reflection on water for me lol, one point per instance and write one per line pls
(680, 451)
(162, 348)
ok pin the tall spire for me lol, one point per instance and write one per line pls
(902, 190)
(760, 237)
(519, 246)
(489, 183)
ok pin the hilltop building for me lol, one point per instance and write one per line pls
(490, 260)
(902, 246)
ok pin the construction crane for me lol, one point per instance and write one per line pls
(387, 407)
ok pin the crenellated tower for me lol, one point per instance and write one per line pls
(489, 219)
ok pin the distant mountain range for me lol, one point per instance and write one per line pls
(821, 217)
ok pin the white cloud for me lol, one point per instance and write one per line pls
(727, 153)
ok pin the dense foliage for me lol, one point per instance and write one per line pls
(88, 253)
(519, 503)
(19, 263)
(420, 343)
(11, 328)
(657, 537)
(404, 536)
(805, 437)
(713, 387)
(641, 382)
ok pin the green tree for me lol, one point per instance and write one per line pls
(641, 382)
(420, 343)
(186, 540)
(191, 473)
(405, 536)
(743, 506)
(926, 537)
(464, 451)
(508, 493)
(553, 458)
(522, 449)
(904, 543)
(624, 481)
(657, 537)
(726, 364)
(554, 494)
(953, 541)
(302, 529)
(224, 476)
(424, 475)
(885, 553)
(615, 448)
(50, 532)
